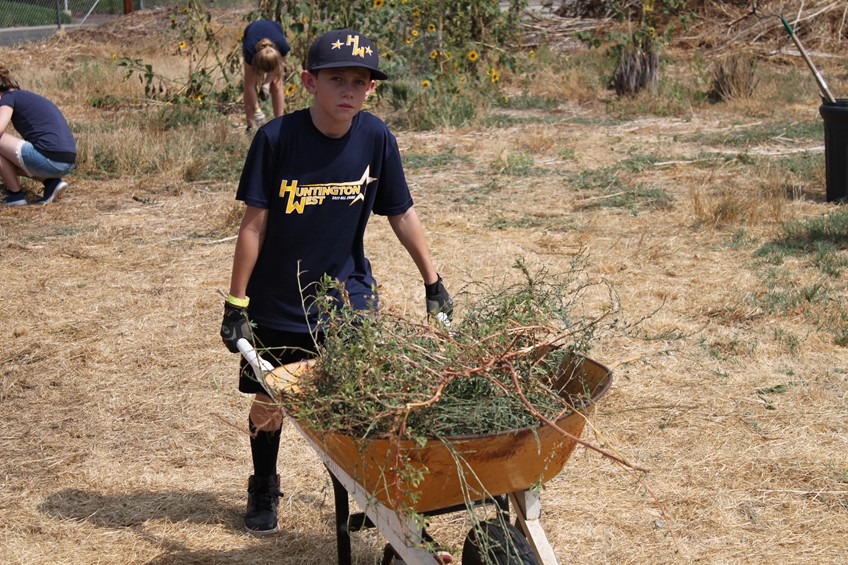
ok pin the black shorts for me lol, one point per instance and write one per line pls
(278, 348)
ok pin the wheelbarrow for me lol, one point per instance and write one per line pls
(505, 469)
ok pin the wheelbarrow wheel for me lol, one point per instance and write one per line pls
(495, 542)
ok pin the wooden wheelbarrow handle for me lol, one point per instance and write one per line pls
(273, 379)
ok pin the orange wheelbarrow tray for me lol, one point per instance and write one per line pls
(460, 470)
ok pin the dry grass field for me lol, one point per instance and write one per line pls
(123, 439)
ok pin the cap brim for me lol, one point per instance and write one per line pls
(375, 74)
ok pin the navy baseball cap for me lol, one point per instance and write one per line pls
(344, 48)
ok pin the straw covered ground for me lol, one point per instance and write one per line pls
(123, 438)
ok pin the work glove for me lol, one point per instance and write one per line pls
(439, 303)
(235, 325)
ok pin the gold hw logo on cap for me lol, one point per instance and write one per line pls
(353, 40)
(344, 48)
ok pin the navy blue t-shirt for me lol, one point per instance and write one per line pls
(259, 30)
(41, 123)
(320, 193)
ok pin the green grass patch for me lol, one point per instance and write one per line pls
(637, 199)
(616, 192)
(433, 160)
(670, 98)
(784, 294)
(776, 389)
(530, 221)
(497, 120)
(519, 164)
(528, 102)
(743, 137)
(824, 240)
(638, 163)
(603, 179)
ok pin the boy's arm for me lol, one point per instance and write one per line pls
(410, 233)
(249, 244)
(236, 325)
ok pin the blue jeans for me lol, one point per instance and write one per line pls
(39, 166)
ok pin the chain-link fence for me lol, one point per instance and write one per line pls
(32, 13)
(22, 21)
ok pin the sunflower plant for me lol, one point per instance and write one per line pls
(211, 77)
(439, 54)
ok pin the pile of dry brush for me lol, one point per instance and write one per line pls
(821, 25)
(493, 370)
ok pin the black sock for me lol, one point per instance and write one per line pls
(264, 447)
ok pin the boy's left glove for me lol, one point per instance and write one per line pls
(439, 303)
(235, 326)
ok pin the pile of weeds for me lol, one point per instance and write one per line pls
(492, 370)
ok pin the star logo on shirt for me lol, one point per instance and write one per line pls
(337, 45)
(363, 182)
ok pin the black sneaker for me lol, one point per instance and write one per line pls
(52, 189)
(14, 198)
(263, 496)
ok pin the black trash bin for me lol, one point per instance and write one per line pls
(835, 118)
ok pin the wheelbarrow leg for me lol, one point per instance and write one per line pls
(528, 510)
(342, 516)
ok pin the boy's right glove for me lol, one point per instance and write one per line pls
(235, 325)
(439, 303)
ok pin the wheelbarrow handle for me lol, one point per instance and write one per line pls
(273, 379)
(259, 365)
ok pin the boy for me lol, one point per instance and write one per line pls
(311, 180)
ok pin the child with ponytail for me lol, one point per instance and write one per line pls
(264, 48)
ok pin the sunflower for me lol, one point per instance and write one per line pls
(473, 55)
(425, 83)
(290, 89)
(181, 45)
(431, 28)
(495, 76)
(434, 54)
(531, 53)
(414, 32)
(379, 3)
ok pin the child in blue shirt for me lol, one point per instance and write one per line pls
(47, 151)
(311, 181)
(264, 48)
